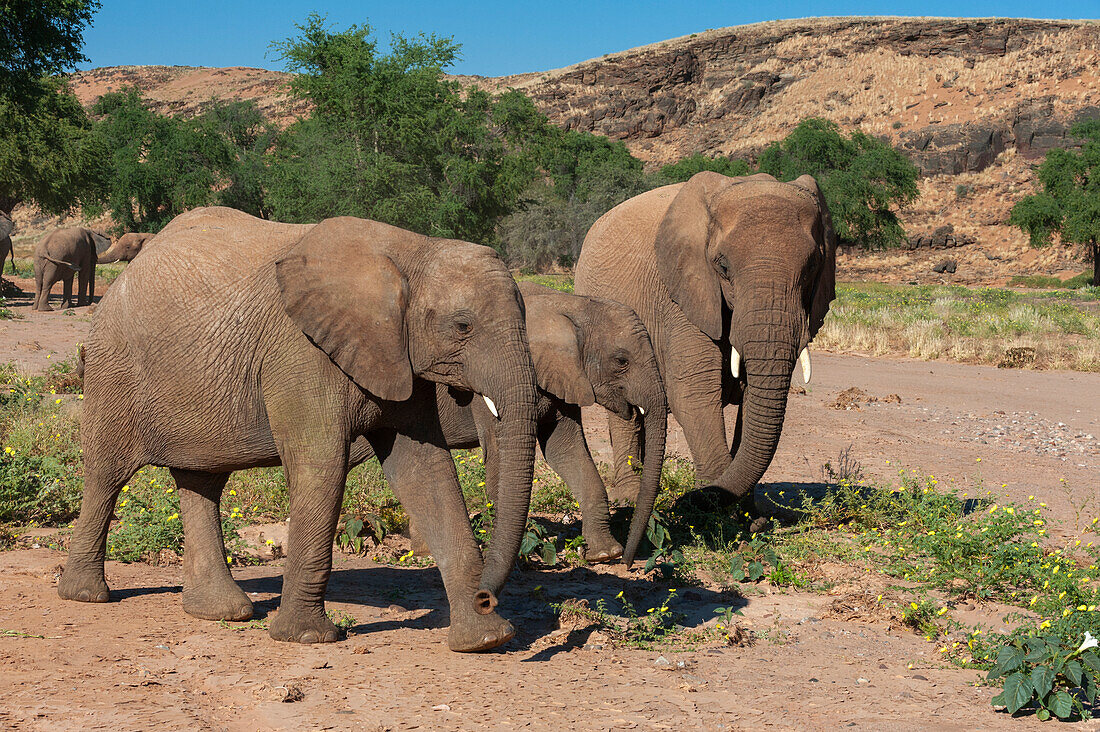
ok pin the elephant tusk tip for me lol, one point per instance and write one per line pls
(492, 407)
(641, 411)
(804, 360)
(735, 363)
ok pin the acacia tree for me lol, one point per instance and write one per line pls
(391, 139)
(864, 180)
(1069, 202)
(46, 154)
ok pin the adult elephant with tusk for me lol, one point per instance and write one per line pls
(733, 278)
(284, 344)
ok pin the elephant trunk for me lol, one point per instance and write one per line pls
(769, 351)
(113, 254)
(516, 458)
(656, 429)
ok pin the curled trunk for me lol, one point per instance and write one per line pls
(656, 429)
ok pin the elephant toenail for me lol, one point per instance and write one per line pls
(310, 636)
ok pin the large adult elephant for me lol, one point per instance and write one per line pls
(125, 248)
(733, 278)
(62, 254)
(281, 344)
(7, 226)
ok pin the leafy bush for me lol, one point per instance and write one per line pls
(1042, 672)
(681, 171)
(864, 180)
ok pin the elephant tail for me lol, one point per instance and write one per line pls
(62, 262)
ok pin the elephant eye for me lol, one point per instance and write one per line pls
(462, 326)
(620, 360)
(722, 265)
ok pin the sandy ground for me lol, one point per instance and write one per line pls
(141, 662)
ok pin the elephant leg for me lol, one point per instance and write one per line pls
(67, 290)
(626, 445)
(209, 591)
(567, 453)
(316, 470)
(83, 577)
(45, 275)
(86, 286)
(423, 478)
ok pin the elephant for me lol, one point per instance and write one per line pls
(282, 344)
(125, 248)
(585, 350)
(59, 256)
(732, 278)
(6, 247)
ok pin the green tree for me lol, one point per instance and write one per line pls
(391, 139)
(44, 142)
(864, 180)
(40, 38)
(160, 166)
(697, 163)
(1069, 202)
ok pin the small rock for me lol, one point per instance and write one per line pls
(662, 662)
(693, 679)
(395, 610)
(361, 649)
(947, 266)
(861, 680)
(441, 708)
(162, 647)
(320, 664)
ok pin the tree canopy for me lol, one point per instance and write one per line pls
(1068, 203)
(864, 180)
(40, 38)
(391, 139)
(683, 170)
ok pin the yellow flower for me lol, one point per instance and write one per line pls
(173, 517)
(232, 492)
(229, 560)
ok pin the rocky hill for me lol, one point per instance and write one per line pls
(974, 102)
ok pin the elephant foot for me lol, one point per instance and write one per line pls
(602, 549)
(83, 586)
(479, 633)
(303, 627)
(216, 601)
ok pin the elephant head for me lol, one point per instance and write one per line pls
(589, 349)
(752, 260)
(388, 306)
(125, 248)
(6, 225)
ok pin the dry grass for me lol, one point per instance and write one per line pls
(1058, 330)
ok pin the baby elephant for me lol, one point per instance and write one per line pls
(125, 248)
(586, 350)
(59, 256)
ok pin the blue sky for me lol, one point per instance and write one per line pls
(498, 37)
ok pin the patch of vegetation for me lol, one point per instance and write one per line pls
(1042, 673)
(1048, 282)
(657, 627)
(963, 324)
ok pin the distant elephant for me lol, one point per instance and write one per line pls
(732, 278)
(585, 350)
(62, 254)
(6, 247)
(125, 248)
(281, 344)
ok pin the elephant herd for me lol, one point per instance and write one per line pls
(65, 254)
(234, 342)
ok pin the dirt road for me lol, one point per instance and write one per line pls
(141, 662)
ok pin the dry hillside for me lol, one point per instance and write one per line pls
(974, 102)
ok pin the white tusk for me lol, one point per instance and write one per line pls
(492, 407)
(735, 363)
(804, 359)
(641, 411)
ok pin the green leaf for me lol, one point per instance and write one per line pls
(1074, 672)
(737, 563)
(528, 544)
(549, 554)
(999, 700)
(1062, 705)
(1043, 715)
(1018, 691)
(650, 563)
(1091, 660)
(756, 571)
(770, 557)
(1042, 680)
(1088, 686)
(353, 527)
(1008, 659)
(1039, 650)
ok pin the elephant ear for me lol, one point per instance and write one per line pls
(350, 299)
(557, 354)
(6, 225)
(825, 286)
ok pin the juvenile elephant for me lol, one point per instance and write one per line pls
(125, 248)
(282, 344)
(6, 247)
(585, 350)
(59, 256)
(732, 278)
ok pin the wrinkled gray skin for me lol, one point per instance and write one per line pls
(710, 264)
(125, 248)
(585, 351)
(61, 255)
(282, 344)
(7, 226)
